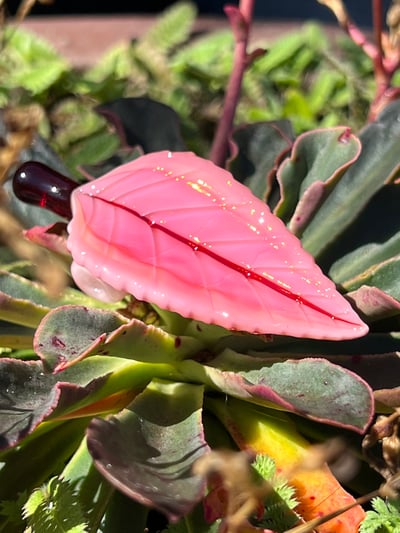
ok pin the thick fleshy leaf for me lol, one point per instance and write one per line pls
(147, 451)
(378, 370)
(384, 276)
(22, 301)
(175, 230)
(273, 434)
(365, 245)
(334, 395)
(378, 163)
(317, 161)
(70, 333)
(375, 304)
(97, 385)
(145, 122)
(52, 237)
(27, 397)
(251, 163)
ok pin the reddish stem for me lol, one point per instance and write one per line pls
(240, 20)
(384, 66)
(377, 23)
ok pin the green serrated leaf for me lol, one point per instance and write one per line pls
(93, 149)
(281, 51)
(280, 502)
(30, 62)
(385, 517)
(172, 28)
(55, 507)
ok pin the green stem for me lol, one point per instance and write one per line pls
(93, 490)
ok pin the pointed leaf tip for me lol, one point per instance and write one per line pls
(173, 229)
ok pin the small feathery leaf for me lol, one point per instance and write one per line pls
(280, 503)
(385, 517)
(172, 28)
(54, 507)
(30, 62)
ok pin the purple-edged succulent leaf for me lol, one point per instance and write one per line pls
(317, 161)
(374, 304)
(22, 301)
(97, 385)
(251, 163)
(52, 237)
(147, 451)
(101, 384)
(71, 333)
(144, 122)
(175, 230)
(27, 396)
(368, 253)
(384, 275)
(377, 164)
(318, 389)
(378, 370)
(313, 388)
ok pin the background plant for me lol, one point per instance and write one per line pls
(302, 77)
(69, 361)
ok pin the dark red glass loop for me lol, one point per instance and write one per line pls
(38, 184)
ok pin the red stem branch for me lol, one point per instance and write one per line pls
(384, 66)
(240, 20)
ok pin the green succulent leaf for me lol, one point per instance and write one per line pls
(365, 247)
(252, 164)
(334, 395)
(22, 301)
(383, 276)
(70, 333)
(147, 451)
(97, 385)
(28, 397)
(144, 122)
(317, 161)
(377, 164)
(122, 512)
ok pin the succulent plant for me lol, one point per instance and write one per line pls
(174, 405)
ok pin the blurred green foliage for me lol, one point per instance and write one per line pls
(315, 79)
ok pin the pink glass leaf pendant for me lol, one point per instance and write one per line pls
(176, 230)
